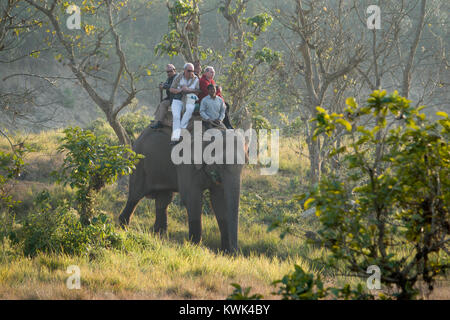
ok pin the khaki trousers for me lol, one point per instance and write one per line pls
(162, 110)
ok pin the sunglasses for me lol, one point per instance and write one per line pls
(190, 70)
(169, 71)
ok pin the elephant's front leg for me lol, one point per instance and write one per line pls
(219, 206)
(162, 201)
(193, 201)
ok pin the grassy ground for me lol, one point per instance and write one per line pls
(170, 267)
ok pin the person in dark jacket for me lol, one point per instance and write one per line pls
(163, 106)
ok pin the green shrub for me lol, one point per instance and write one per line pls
(90, 164)
(299, 285)
(101, 128)
(59, 230)
(260, 122)
(240, 293)
(11, 165)
(134, 123)
(391, 208)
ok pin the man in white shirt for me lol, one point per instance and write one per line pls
(184, 87)
(212, 106)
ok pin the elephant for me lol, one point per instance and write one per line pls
(157, 177)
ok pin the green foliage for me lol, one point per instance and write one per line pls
(349, 293)
(169, 44)
(261, 122)
(182, 9)
(101, 128)
(260, 22)
(240, 293)
(57, 229)
(267, 55)
(249, 64)
(90, 164)
(134, 123)
(11, 165)
(394, 196)
(184, 32)
(299, 285)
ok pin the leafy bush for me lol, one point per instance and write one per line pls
(260, 122)
(134, 123)
(59, 230)
(240, 293)
(300, 285)
(11, 165)
(101, 128)
(391, 207)
(90, 164)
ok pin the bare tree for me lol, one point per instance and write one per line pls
(109, 82)
(324, 51)
(16, 25)
(395, 61)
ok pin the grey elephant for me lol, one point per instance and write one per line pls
(157, 177)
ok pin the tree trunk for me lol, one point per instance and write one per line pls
(122, 135)
(314, 158)
(406, 83)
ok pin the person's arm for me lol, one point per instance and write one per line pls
(189, 90)
(203, 107)
(222, 110)
(166, 85)
(174, 87)
(174, 90)
(195, 90)
(203, 85)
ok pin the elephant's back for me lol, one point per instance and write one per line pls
(157, 165)
(151, 138)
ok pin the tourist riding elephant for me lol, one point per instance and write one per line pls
(156, 176)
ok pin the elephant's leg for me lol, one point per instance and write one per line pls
(227, 198)
(219, 206)
(125, 216)
(135, 194)
(193, 202)
(163, 199)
